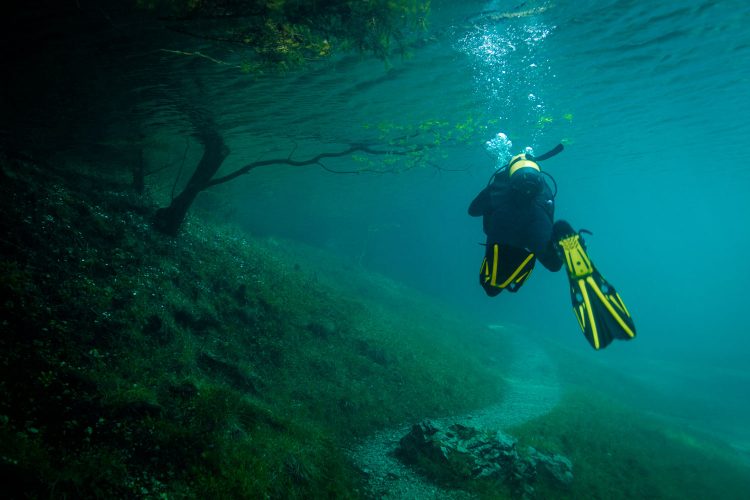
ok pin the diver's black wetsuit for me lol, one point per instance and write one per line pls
(513, 218)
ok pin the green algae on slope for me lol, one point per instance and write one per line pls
(619, 453)
(209, 365)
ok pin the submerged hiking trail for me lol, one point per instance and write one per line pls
(533, 389)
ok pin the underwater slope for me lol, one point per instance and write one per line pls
(533, 384)
(629, 438)
(620, 435)
(532, 389)
(216, 366)
(620, 453)
(206, 366)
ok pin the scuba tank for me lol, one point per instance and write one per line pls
(525, 176)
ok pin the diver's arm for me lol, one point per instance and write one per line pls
(481, 203)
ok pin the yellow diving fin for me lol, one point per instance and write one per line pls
(601, 312)
(505, 268)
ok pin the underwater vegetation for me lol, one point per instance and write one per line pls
(204, 366)
(619, 453)
(215, 365)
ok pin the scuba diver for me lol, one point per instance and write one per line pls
(517, 208)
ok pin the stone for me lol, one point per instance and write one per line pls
(464, 457)
(556, 468)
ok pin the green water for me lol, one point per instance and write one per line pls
(650, 98)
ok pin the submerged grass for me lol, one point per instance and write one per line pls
(627, 440)
(206, 366)
(619, 453)
(213, 365)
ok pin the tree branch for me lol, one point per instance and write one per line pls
(316, 160)
(200, 54)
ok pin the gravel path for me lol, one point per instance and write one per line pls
(533, 390)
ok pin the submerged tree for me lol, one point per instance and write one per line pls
(285, 34)
(169, 219)
(280, 35)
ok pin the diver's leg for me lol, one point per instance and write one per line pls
(539, 236)
(560, 229)
(549, 257)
